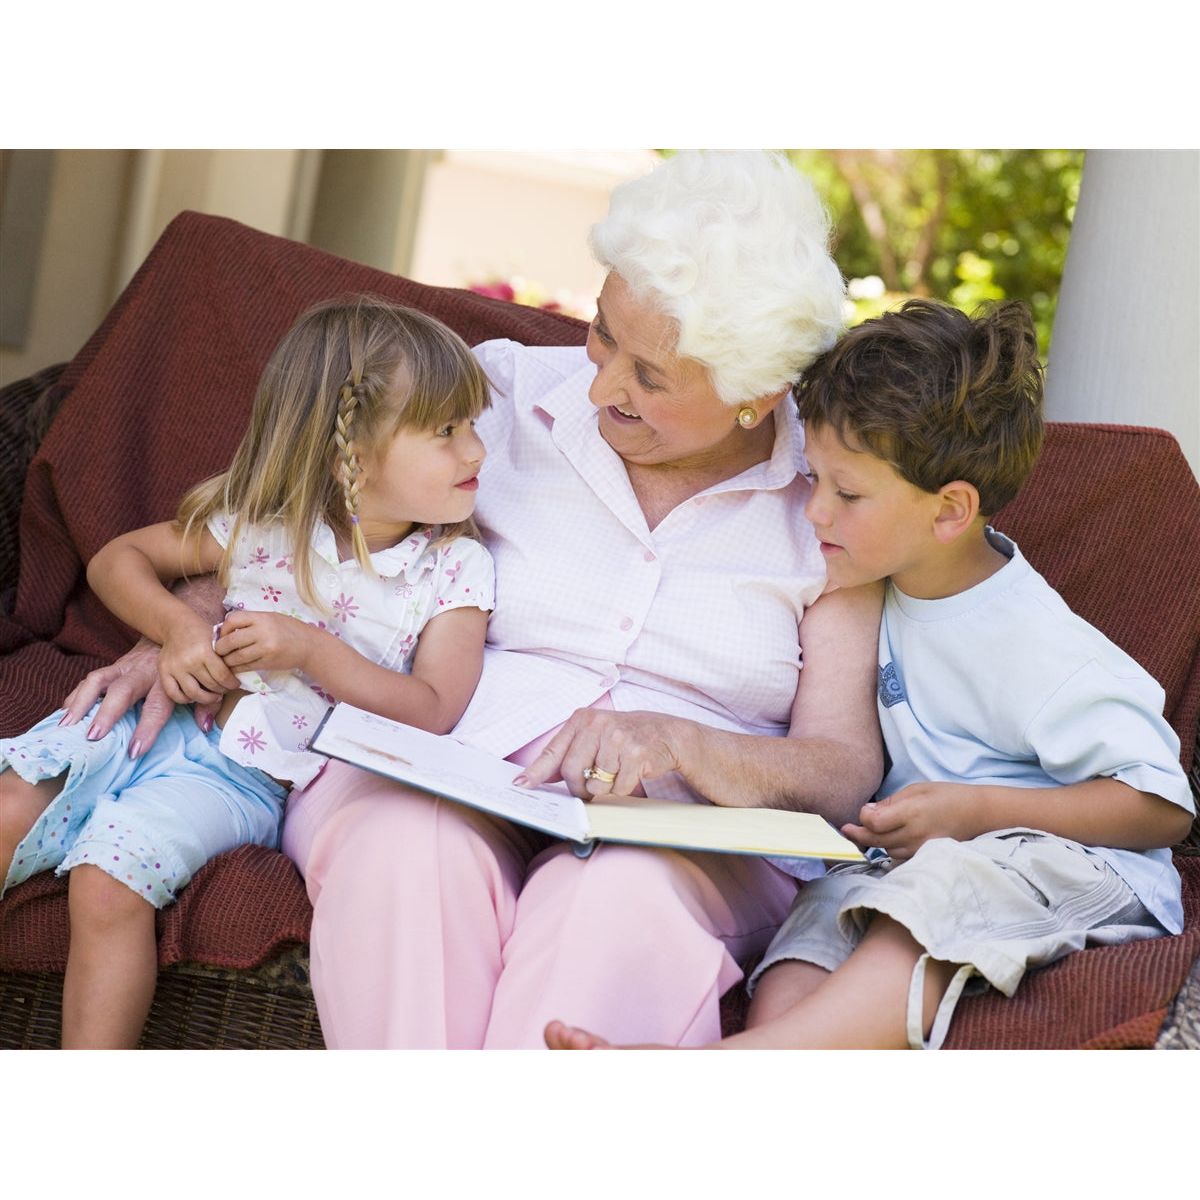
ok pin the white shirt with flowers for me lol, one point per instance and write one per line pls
(380, 616)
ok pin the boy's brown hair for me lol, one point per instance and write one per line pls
(937, 394)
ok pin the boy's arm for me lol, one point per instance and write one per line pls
(131, 575)
(1101, 735)
(446, 666)
(1098, 812)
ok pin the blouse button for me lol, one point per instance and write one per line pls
(626, 624)
(649, 556)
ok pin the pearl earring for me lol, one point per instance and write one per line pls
(746, 417)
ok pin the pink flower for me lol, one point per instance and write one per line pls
(497, 290)
(286, 561)
(299, 721)
(252, 740)
(272, 594)
(344, 607)
(259, 556)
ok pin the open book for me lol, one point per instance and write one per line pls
(467, 775)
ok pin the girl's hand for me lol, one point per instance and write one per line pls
(189, 667)
(903, 822)
(264, 641)
(631, 747)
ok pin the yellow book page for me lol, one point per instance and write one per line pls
(710, 827)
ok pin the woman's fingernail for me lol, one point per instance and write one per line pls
(135, 749)
(520, 780)
(206, 722)
(95, 733)
(64, 718)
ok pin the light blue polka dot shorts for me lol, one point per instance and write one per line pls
(150, 822)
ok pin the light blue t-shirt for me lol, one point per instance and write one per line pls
(1004, 684)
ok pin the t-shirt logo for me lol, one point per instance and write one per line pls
(891, 690)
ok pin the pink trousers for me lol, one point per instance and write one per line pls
(437, 926)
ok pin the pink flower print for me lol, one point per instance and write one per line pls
(344, 608)
(300, 721)
(451, 572)
(286, 561)
(259, 556)
(403, 589)
(271, 593)
(252, 740)
(323, 694)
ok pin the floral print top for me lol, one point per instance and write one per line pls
(380, 616)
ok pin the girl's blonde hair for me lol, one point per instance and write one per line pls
(347, 376)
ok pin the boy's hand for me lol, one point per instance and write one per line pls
(189, 668)
(905, 821)
(264, 641)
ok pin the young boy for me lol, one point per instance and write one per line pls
(1034, 783)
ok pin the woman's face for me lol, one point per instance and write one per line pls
(655, 407)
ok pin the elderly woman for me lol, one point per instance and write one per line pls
(658, 592)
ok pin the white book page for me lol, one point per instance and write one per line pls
(448, 768)
(710, 827)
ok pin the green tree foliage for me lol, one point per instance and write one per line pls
(958, 225)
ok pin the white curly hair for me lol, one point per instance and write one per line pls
(734, 247)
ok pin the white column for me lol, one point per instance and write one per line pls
(1126, 342)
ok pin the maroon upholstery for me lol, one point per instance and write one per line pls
(158, 398)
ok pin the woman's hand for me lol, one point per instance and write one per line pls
(906, 820)
(134, 676)
(264, 641)
(630, 747)
(189, 666)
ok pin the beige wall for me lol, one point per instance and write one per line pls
(77, 264)
(108, 207)
(444, 217)
(489, 214)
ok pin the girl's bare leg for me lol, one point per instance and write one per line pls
(112, 964)
(21, 803)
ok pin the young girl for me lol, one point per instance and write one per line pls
(342, 531)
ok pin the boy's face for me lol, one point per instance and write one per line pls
(871, 522)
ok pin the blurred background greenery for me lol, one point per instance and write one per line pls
(962, 226)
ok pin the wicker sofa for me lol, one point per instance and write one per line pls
(158, 397)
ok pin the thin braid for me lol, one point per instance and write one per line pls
(343, 436)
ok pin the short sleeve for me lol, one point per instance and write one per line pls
(220, 525)
(466, 577)
(1100, 723)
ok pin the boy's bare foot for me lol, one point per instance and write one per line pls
(570, 1037)
(567, 1037)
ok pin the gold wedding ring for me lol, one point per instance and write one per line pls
(595, 772)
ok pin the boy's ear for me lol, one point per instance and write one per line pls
(957, 509)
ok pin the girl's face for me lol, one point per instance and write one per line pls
(419, 476)
(655, 407)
